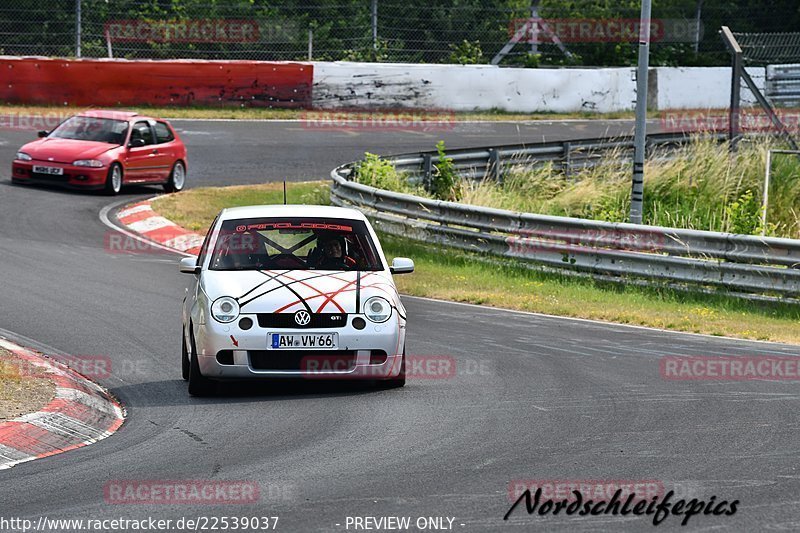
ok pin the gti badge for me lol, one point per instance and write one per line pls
(302, 318)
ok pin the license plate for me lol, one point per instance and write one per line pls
(303, 341)
(55, 171)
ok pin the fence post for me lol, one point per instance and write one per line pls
(495, 166)
(736, 87)
(427, 169)
(375, 27)
(77, 28)
(640, 136)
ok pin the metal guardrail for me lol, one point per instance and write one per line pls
(783, 85)
(566, 156)
(731, 263)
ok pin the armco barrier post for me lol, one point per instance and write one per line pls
(427, 169)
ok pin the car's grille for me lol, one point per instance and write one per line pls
(50, 177)
(305, 360)
(286, 320)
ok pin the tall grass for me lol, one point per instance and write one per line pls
(700, 186)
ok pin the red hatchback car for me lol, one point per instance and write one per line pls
(104, 150)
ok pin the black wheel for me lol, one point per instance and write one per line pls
(113, 180)
(184, 358)
(177, 178)
(198, 385)
(396, 382)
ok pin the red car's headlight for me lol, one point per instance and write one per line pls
(22, 156)
(94, 163)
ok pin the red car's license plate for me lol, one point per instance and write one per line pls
(55, 171)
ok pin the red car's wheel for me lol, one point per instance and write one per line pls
(177, 178)
(114, 179)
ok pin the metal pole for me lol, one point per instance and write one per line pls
(640, 136)
(697, 21)
(108, 45)
(534, 26)
(310, 43)
(77, 28)
(736, 100)
(736, 87)
(765, 197)
(375, 26)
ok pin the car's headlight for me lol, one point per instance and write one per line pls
(94, 163)
(377, 309)
(225, 309)
(22, 156)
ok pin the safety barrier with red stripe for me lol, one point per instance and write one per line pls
(115, 82)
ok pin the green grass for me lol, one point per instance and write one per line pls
(260, 113)
(701, 186)
(464, 277)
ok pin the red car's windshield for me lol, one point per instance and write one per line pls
(82, 128)
(294, 244)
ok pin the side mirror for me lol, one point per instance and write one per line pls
(188, 265)
(42, 133)
(402, 265)
(135, 143)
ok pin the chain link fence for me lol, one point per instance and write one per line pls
(439, 31)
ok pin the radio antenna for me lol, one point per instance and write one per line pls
(284, 192)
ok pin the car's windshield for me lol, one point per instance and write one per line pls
(294, 243)
(83, 128)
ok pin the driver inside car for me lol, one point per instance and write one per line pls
(333, 254)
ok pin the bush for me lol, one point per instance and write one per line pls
(744, 214)
(445, 180)
(467, 53)
(381, 174)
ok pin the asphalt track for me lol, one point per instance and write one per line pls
(533, 397)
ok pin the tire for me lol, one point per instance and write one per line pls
(113, 180)
(185, 365)
(397, 382)
(198, 385)
(177, 178)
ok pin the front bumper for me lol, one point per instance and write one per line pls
(73, 177)
(225, 351)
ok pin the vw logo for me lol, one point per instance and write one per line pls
(302, 318)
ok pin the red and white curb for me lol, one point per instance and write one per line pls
(140, 218)
(80, 413)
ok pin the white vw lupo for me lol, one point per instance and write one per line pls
(292, 291)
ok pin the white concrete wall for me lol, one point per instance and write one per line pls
(701, 87)
(471, 87)
(483, 87)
